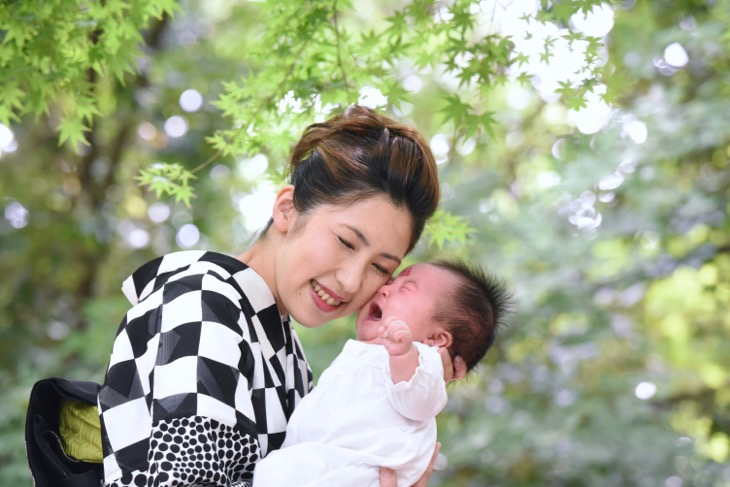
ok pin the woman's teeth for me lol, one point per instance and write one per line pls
(323, 294)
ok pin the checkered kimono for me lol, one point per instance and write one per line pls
(203, 377)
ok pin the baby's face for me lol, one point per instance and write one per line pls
(411, 297)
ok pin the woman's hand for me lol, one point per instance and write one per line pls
(388, 478)
(453, 369)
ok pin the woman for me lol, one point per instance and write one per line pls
(206, 369)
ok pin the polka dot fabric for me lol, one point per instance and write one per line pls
(195, 451)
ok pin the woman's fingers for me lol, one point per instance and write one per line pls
(423, 481)
(388, 478)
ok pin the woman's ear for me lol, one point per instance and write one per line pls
(284, 213)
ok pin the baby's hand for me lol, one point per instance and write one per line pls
(397, 336)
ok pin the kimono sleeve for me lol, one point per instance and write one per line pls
(186, 360)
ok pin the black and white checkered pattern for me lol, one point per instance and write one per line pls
(203, 360)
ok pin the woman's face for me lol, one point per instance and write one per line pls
(334, 258)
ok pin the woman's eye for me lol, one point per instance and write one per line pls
(381, 270)
(346, 243)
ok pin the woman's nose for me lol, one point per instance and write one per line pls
(350, 278)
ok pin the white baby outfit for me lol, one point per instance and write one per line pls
(356, 420)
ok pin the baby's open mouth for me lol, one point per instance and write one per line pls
(375, 313)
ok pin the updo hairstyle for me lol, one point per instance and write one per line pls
(361, 154)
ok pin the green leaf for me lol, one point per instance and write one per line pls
(445, 227)
(184, 193)
(521, 58)
(71, 131)
(455, 110)
(170, 180)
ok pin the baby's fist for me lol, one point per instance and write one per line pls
(397, 336)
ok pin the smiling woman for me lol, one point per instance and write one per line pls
(331, 260)
(206, 369)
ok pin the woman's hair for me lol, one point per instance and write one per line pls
(361, 154)
(473, 311)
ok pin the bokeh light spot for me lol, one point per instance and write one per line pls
(253, 167)
(610, 182)
(138, 238)
(673, 481)
(6, 136)
(16, 214)
(645, 390)
(191, 100)
(413, 83)
(598, 22)
(57, 330)
(187, 236)
(675, 55)
(147, 131)
(176, 126)
(636, 131)
(158, 212)
(372, 97)
(595, 115)
(440, 147)
(256, 207)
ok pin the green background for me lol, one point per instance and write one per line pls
(614, 370)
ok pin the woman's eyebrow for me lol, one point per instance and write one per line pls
(366, 243)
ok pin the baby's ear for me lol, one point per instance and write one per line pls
(442, 338)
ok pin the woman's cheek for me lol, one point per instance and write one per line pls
(371, 287)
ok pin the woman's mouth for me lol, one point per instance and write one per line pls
(326, 297)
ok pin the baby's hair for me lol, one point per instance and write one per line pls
(474, 310)
(361, 154)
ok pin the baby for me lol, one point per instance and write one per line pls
(375, 405)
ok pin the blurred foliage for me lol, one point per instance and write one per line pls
(599, 187)
(56, 53)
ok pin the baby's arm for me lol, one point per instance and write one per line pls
(398, 341)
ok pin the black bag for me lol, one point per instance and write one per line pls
(49, 464)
